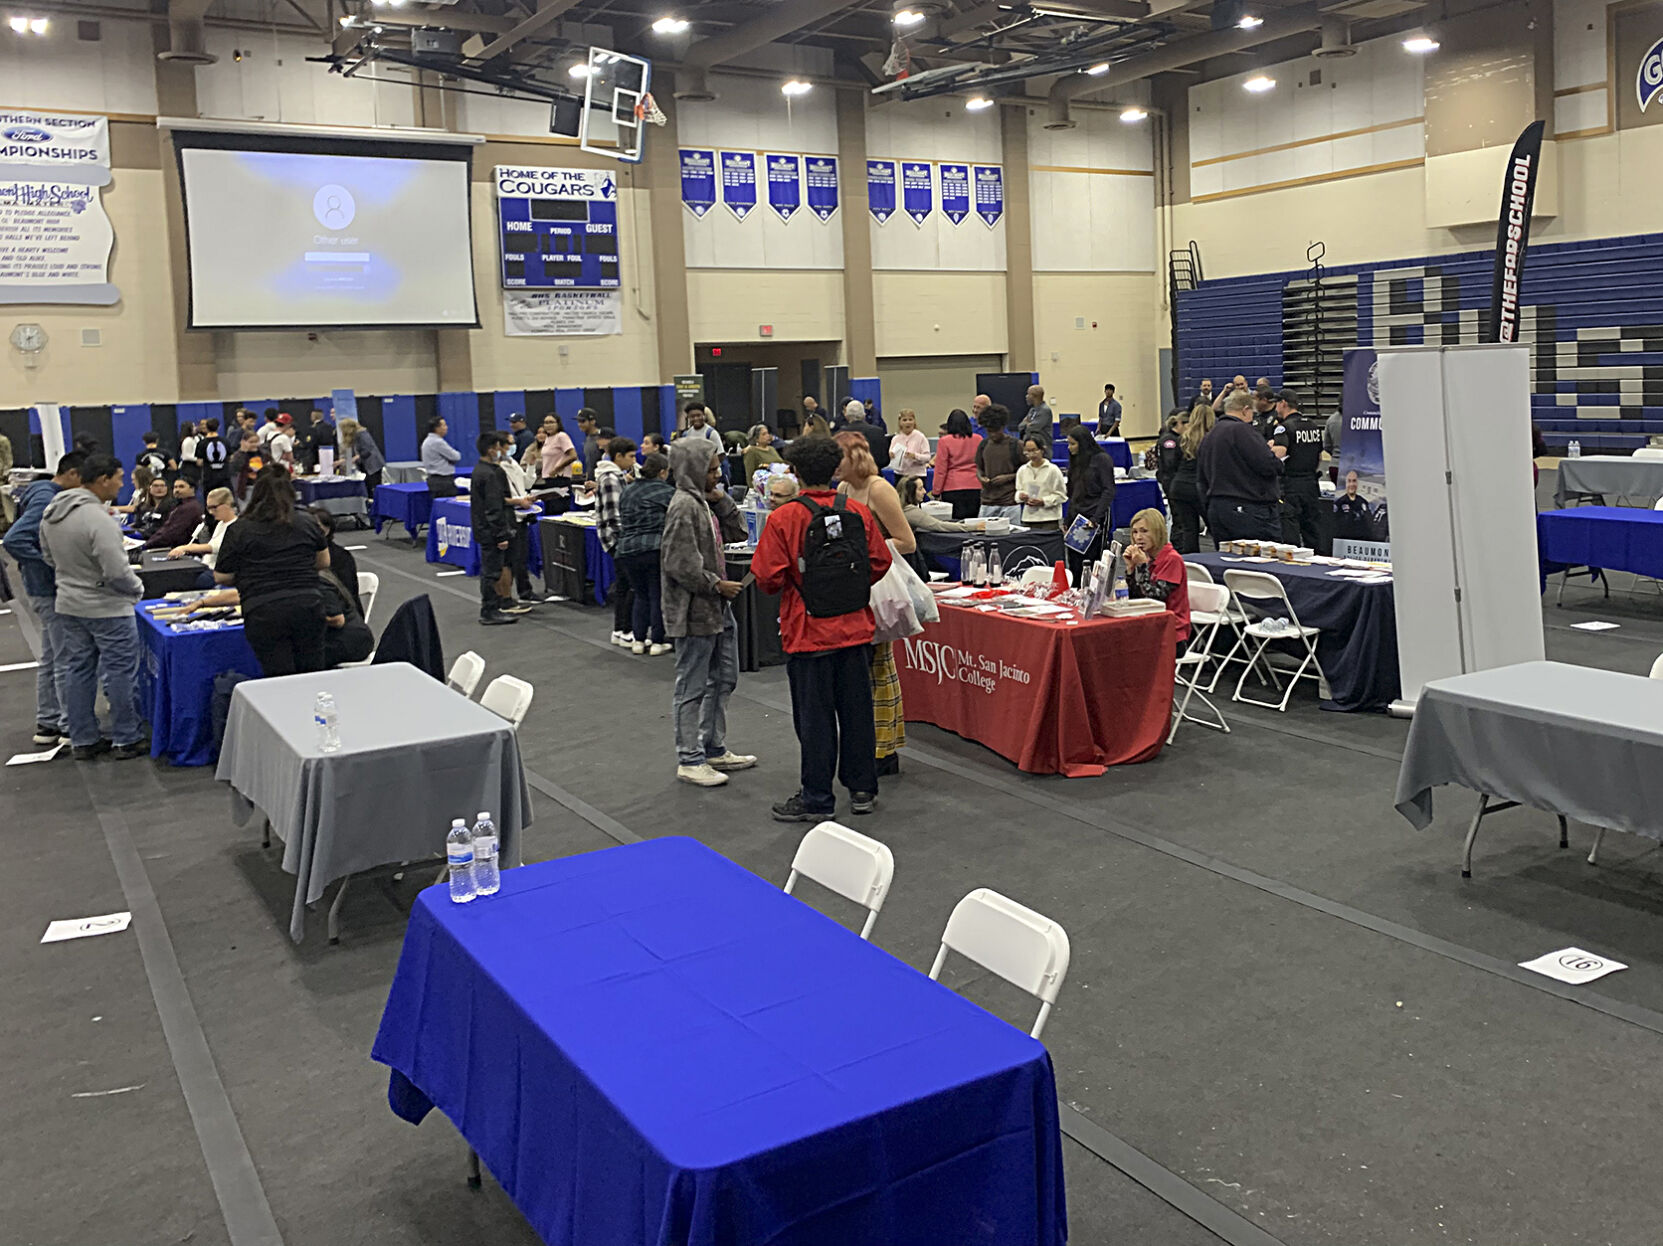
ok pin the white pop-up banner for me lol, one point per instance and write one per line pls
(55, 239)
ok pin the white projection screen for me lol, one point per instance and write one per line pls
(316, 239)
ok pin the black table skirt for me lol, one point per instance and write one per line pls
(758, 617)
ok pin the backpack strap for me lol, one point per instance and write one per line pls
(814, 508)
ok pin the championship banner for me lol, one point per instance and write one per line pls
(55, 239)
(917, 191)
(1518, 193)
(785, 184)
(990, 193)
(955, 192)
(820, 174)
(562, 313)
(1360, 525)
(739, 182)
(880, 189)
(698, 179)
(75, 149)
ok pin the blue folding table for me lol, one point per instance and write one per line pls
(650, 1046)
(1601, 538)
(407, 503)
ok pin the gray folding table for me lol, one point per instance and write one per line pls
(1574, 741)
(1607, 477)
(414, 754)
(403, 472)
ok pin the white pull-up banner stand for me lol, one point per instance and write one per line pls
(1455, 426)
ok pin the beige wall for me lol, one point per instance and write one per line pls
(730, 304)
(1075, 363)
(940, 313)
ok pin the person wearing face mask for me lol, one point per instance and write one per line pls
(493, 533)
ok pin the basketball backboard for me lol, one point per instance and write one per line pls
(618, 105)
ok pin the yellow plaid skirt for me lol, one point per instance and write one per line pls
(887, 712)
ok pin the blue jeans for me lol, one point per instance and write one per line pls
(1012, 513)
(707, 672)
(94, 651)
(49, 703)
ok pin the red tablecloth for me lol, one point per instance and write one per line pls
(1051, 697)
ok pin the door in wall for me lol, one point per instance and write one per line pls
(727, 391)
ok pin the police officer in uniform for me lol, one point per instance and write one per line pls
(1301, 439)
(1266, 417)
(1352, 518)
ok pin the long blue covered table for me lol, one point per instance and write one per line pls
(337, 496)
(1601, 538)
(176, 685)
(408, 504)
(1132, 496)
(650, 1046)
(450, 537)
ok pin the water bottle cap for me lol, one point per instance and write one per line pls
(484, 814)
(458, 822)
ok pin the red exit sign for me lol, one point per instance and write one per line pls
(765, 330)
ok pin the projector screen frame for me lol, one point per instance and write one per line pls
(320, 144)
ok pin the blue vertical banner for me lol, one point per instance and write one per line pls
(739, 182)
(917, 190)
(698, 179)
(990, 193)
(880, 189)
(344, 404)
(955, 192)
(1360, 500)
(785, 184)
(820, 176)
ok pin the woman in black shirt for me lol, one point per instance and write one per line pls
(1090, 493)
(273, 555)
(346, 637)
(342, 564)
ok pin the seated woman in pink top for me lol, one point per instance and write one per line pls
(955, 478)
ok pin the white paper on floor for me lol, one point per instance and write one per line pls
(1595, 625)
(353, 547)
(24, 759)
(18, 666)
(82, 927)
(1573, 965)
(442, 574)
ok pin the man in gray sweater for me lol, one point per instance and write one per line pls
(96, 589)
(696, 594)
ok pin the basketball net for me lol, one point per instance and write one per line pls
(647, 109)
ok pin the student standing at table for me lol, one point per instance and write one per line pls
(955, 477)
(555, 459)
(523, 436)
(189, 468)
(1108, 414)
(828, 652)
(282, 443)
(439, 459)
(612, 473)
(1090, 493)
(519, 497)
(1156, 571)
(1040, 487)
(641, 509)
(594, 441)
(180, 520)
(212, 456)
(997, 461)
(246, 464)
(493, 533)
(273, 555)
(22, 542)
(909, 449)
(359, 448)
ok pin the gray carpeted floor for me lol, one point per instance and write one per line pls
(1280, 992)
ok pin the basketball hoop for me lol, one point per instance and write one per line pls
(647, 109)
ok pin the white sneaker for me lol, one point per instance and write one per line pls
(620, 640)
(638, 647)
(701, 776)
(731, 761)
(660, 650)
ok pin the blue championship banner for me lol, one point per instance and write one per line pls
(698, 179)
(990, 193)
(785, 184)
(955, 192)
(917, 190)
(820, 175)
(739, 182)
(880, 189)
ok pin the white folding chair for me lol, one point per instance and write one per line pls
(509, 697)
(1264, 596)
(1207, 611)
(466, 672)
(1657, 667)
(1023, 947)
(369, 584)
(856, 867)
(1228, 616)
(1649, 452)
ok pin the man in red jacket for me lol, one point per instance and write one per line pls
(827, 658)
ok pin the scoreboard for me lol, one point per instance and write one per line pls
(558, 229)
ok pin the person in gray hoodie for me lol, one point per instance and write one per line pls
(696, 593)
(22, 542)
(96, 589)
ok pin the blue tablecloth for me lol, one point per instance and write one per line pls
(1358, 644)
(651, 1045)
(1610, 538)
(338, 497)
(176, 685)
(408, 504)
(450, 537)
(1132, 496)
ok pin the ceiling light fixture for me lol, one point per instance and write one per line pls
(1134, 113)
(1250, 21)
(579, 70)
(38, 25)
(795, 87)
(977, 103)
(1099, 69)
(348, 20)
(907, 17)
(670, 25)
(1420, 45)
(19, 25)
(1258, 84)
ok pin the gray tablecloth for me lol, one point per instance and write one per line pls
(1571, 740)
(338, 497)
(405, 472)
(1611, 476)
(413, 755)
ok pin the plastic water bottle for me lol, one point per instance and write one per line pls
(1575, 449)
(995, 567)
(487, 878)
(459, 856)
(1121, 592)
(976, 567)
(328, 720)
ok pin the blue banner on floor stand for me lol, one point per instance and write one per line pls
(917, 190)
(880, 189)
(820, 176)
(785, 184)
(1360, 518)
(698, 179)
(739, 182)
(990, 193)
(955, 192)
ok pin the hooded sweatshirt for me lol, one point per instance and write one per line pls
(22, 540)
(81, 541)
(690, 556)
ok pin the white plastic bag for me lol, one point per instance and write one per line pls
(923, 601)
(892, 604)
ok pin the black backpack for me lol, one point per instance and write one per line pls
(835, 565)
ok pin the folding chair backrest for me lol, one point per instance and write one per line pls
(509, 697)
(1023, 947)
(1657, 505)
(1649, 452)
(1261, 593)
(369, 584)
(1657, 667)
(856, 867)
(1198, 574)
(1208, 597)
(466, 672)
